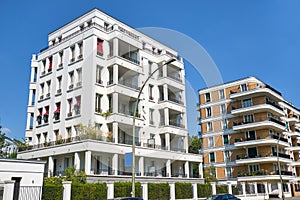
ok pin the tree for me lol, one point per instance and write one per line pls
(3, 143)
(195, 144)
(89, 131)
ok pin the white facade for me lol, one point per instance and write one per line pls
(91, 73)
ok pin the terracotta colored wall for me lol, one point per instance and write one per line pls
(220, 172)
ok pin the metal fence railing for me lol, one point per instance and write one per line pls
(30, 192)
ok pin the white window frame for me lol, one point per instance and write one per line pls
(223, 111)
(208, 112)
(244, 87)
(253, 165)
(210, 128)
(206, 98)
(222, 94)
(211, 142)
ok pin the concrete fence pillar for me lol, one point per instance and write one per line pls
(279, 190)
(229, 188)
(195, 191)
(213, 188)
(145, 191)
(172, 191)
(244, 188)
(8, 190)
(110, 190)
(66, 190)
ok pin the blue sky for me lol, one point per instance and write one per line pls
(244, 38)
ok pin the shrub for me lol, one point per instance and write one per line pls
(52, 192)
(222, 189)
(158, 191)
(204, 190)
(183, 191)
(123, 189)
(235, 190)
(88, 191)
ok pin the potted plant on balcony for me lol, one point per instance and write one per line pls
(106, 114)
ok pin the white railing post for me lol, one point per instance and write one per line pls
(172, 191)
(8, 190)
(195, 191)
(110, 190)
(66, 190)
(145, 191)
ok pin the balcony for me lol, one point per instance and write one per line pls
(280, 138)
(175, 100)
(263, 90)
(129, 84)
(263, 173)
(260, 123)
(177, 124)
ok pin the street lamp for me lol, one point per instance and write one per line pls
(279, 168)
(133, 122)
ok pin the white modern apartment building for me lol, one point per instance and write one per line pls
(90, 74)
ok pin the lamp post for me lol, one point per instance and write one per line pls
(279, 168)
(133, 121)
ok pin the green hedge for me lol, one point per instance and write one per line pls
(88, 191)
(52, 192)
(235, 191)
(183, 191)
(204, 190)
(123, 189)
(158, 191)
(222, 189)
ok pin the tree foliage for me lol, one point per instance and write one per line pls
(194, 144)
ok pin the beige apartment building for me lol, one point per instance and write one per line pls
(244, 123)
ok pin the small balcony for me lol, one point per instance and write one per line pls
(259, 123)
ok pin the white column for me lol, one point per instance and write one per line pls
(266, 188)
(172, 191)
(166, 110)
(145, 191)
(244, 188)
(50, 166)
(168, 167)
(167, 141)
(115, 164)
(195, 191)
(200, 170)
(187, 169)
(213, 188)
(115, 74)
(255, 188)
(110, 190)
(116, 46)
(141, 165)
(279, 190)
(77, 161)
(88, 159)
(30, 97)
(115, 131)
(8, 193)
(165, 89)
(28, 121)
(66, 190)
(115, 102)
(164, 69)
(269, 187)
(289, 188)
(229, 187)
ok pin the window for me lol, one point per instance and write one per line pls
(252, 152)
(211, 142)
(31, 121)
(228, 172)
(162, 117)
(225, 124)
(72, 49)
(221, 94)
(59, 79)
(57, 111)
(248, 119)
(223, 109)
(227, 156)
(61, 54)
(42, 86)
(151, 121)
(244, 87)
(56, 133)
(46, 114)
(207, 97)
(71, 80)
(44, 67)
(253, 168)
(39, 116)
(70, 107)
(225, 139)
(77, 105)
(247, 103)
(69, 131)
(49, 88)
(212, 157)
(79, 77)
(98, 103)
(80, 45)
(151, 92)
(208, 112)
(45, 134)
(209, 126)
(250, 135)
(50, 64)
(150, 68)
(98, 74)
(99, 47)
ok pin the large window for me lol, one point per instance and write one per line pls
(77, 106)
(208, 112)
(99, 47)
(209, 126)
(221, 94)
(211, 142)
(79, 77)
(253, 168)
(250, 135)
(59, 79)
(98, 74)
(244, 87)
(207, 97)
(151, 117)
(247, 103)
(70, 107)
(71, 80)
(212, 157)
(98, 103)
(248, 119)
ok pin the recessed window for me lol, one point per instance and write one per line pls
(209, 126)
(221, 94)
(99, 47)
(227, 156)
(244, 87)
(228, 172)
(248, 119)
(211, 142)
(207, 97)
(247, 103)
(98, 74)
(253, 168)
(98, 103)
(208, 112)
(223, 109)
(212, 157)
(77, 106)
(225, 139)
(57, 111)
(224, 124)
(151, 112)
(70, 107)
